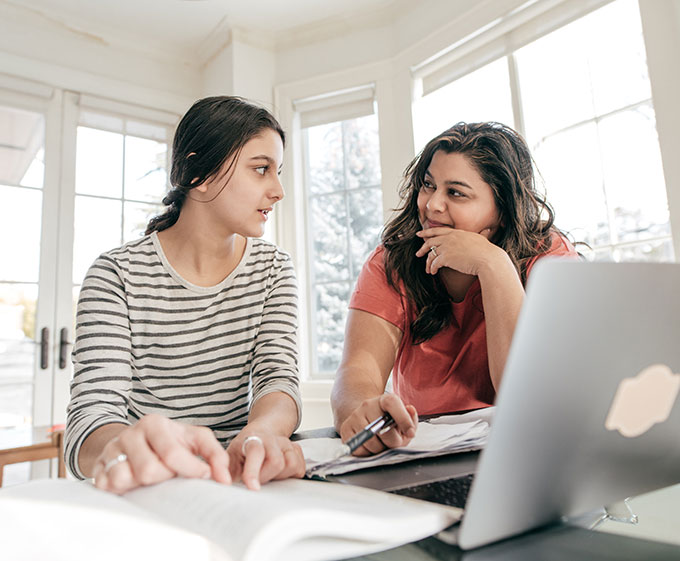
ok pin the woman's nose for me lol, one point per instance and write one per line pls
(436, 202)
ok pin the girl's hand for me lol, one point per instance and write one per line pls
(400, 434)
(156, 449)
(257, 458)
(466, 252)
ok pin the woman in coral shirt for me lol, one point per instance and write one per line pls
(437, 302)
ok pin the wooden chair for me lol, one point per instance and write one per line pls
(29, 444)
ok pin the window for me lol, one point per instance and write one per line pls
(22, 151)
(582, 99)
(121, 178)
(482, 95)
(343, 222)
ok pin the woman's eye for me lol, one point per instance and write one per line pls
(427, 186)
(261, 169)
(455, 193)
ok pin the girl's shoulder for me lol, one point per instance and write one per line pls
(136, 250)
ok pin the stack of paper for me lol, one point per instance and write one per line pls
(437, 437)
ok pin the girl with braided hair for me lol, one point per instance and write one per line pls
(186, 338)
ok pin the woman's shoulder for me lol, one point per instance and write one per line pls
(560, 245)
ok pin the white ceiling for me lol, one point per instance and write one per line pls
(189, 23)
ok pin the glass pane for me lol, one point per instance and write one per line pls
(325, 158)
(365, 210)
(329, 319)
(363, 151)
(570, 165)
(99, 163)
(482, 95)
(659, 250)
(634, 181)
(145, 169)
(97, 228)
(584, 69)
(135, 219)
(20, 223)
(22, 145)
(328, 225)
(17, 348)
(616, 58)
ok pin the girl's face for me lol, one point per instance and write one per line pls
(242, 206)
(454, 195)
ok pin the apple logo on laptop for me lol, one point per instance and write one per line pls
(643, 400)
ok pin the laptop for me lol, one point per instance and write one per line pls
(587, 412)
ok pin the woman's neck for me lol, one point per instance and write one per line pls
(457, 284)
(199, 255)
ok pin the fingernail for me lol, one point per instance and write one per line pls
(206, 475)
(254, 484)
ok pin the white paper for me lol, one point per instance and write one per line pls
(437, 437)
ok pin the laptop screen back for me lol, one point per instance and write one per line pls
(556, 447)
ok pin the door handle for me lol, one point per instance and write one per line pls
(44, 347)
(63, 347)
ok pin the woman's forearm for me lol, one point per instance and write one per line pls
(502, 297)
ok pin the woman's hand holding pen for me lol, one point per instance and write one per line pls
(400, 434)
(156, 449)
(256, 457)
(460, 250)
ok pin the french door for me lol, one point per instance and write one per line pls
(77, 177)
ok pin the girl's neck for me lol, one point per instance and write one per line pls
(199, 255)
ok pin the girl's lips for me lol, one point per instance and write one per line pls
(264, 213)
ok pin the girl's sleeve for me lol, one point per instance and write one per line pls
(275, 356)
(102, 371)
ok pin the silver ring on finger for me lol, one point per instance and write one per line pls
(115, 461)
(250, 439)
(433, 249)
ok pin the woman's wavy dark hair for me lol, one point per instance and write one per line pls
(502, 159)
(213, 130)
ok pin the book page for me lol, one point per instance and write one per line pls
(67, 520)
(294, 519)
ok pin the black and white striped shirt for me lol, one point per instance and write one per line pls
(148, 341)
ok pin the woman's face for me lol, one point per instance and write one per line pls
(252, 187)
(455, 195)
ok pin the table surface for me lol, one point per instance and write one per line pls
(656, 536)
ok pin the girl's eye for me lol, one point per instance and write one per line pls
(427, 186)
(455, 193)
(261, 169)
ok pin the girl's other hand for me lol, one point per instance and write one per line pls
(258, 458)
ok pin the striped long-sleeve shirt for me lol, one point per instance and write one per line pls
(148, 341)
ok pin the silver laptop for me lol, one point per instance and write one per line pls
(587, 413)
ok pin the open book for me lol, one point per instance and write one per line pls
(200, 520)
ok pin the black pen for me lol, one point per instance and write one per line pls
(366, 434)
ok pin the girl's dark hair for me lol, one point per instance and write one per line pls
(502, 159)
(213, 130)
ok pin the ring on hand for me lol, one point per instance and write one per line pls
(433, 249)
(115, 461)
(250, 439)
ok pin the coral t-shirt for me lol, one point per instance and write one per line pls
(450, 371)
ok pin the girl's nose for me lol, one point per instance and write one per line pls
(276, 191)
